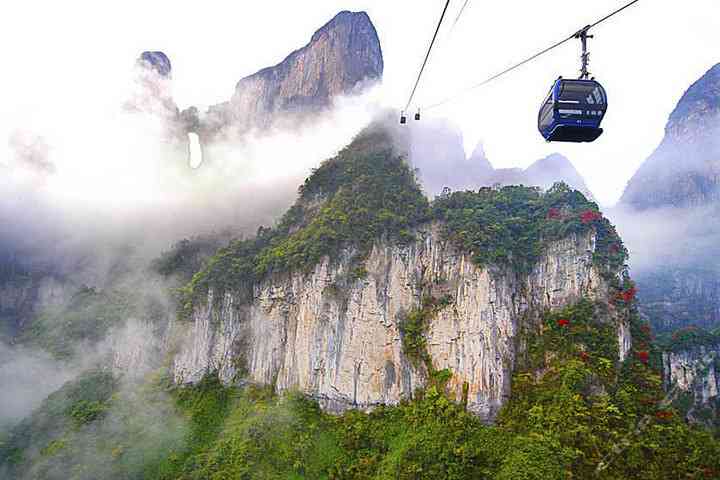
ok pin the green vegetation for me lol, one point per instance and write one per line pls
(589, 403)
(363, 194)
(511, 226)
(75, 404)
(575, 412)
(367, 193)
(186, 257)
(86, 318)
(413, 327)
(688, 338)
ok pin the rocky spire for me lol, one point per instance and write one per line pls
(342, 57)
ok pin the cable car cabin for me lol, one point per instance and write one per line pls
(573, 111)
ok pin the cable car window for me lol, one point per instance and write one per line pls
(589, 93)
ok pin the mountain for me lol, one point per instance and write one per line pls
(684, 171)
(323, 303)
(342, 57)
(436, 151)
(543, 173)
(691, 366)
(370, 334)
(677, 189)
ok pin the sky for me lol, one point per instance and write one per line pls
(67, 59)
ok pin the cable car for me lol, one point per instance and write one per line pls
(573, 111)
(403, 118)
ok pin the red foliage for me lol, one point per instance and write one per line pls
(589, 216)
(664, 414)
(554, 214)
(584, 356)
(645, 329)
(643, 356)
(628, 295)
(563, 322)
(614, 248)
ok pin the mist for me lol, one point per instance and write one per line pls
(27, 377)
(90, 194)
(685, 236)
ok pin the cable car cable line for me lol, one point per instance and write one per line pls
(577, 34)
(427, 55)
(462, 9)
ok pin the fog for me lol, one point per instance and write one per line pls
(90, 195)
(27, 377)
(670, 236)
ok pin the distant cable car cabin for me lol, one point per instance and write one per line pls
(573, 111)
(403, 118)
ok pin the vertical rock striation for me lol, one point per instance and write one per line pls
(695, 372)
(339, 340)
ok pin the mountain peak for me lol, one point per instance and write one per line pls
(684, 169)
(478, 158)
(701, 102)
(341, 57)
(343, 19)
(157, 61)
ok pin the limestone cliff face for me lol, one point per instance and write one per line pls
(339, 340)
(695, 372)
(340, 58)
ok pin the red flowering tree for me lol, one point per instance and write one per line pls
(554, 214)
(643, 356)
(628, 295)
(563, 322)
(664, 414)
(589, 216)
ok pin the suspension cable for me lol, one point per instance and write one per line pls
(427, 55)
(529, 59)
(462, 10)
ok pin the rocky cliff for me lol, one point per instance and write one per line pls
(321, 303)
(692, 374)
(345, 348)
(341, 58)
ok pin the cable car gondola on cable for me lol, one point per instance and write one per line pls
(573, 111)
(574, 108)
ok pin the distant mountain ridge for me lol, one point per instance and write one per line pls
(542, 173)
(436, 150)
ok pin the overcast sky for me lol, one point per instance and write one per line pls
(66, 58)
